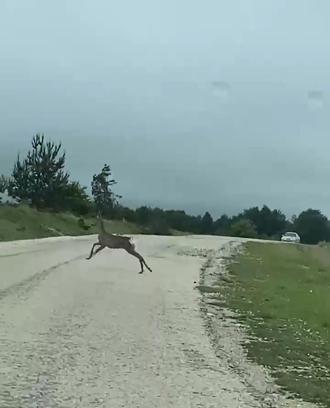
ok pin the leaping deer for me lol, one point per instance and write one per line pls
(107, 240)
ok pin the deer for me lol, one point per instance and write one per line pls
(111, 241)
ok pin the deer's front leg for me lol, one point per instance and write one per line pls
(91, 254)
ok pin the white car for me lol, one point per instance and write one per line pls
(291, 237)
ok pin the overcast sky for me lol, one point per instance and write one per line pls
(198, 105)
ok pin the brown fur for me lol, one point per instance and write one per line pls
(107, 240)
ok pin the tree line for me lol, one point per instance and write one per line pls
(41, 180)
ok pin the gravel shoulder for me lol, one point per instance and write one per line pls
(77, 333)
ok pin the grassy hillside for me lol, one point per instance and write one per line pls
(282, 293)
(23, 222)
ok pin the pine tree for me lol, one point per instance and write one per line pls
(104, 198)
(40, 178)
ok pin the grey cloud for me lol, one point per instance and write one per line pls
(213, 106)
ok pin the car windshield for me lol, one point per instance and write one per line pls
(164, 203)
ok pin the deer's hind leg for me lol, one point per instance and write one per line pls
(132, 252)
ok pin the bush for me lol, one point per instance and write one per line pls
(243, 228)
(83, 225)
(312, 226)
(158, 226)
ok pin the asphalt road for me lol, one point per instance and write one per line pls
(77, 333)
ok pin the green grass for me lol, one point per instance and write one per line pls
(282, 293)
(23, 222)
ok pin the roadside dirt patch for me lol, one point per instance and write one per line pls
(228, 335)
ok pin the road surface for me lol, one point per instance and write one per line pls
(77, 333)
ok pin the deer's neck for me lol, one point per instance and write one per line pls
(101, 223)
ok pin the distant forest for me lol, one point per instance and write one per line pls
(39, 179)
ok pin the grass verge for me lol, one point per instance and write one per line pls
(23, 222)
(282, 294)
